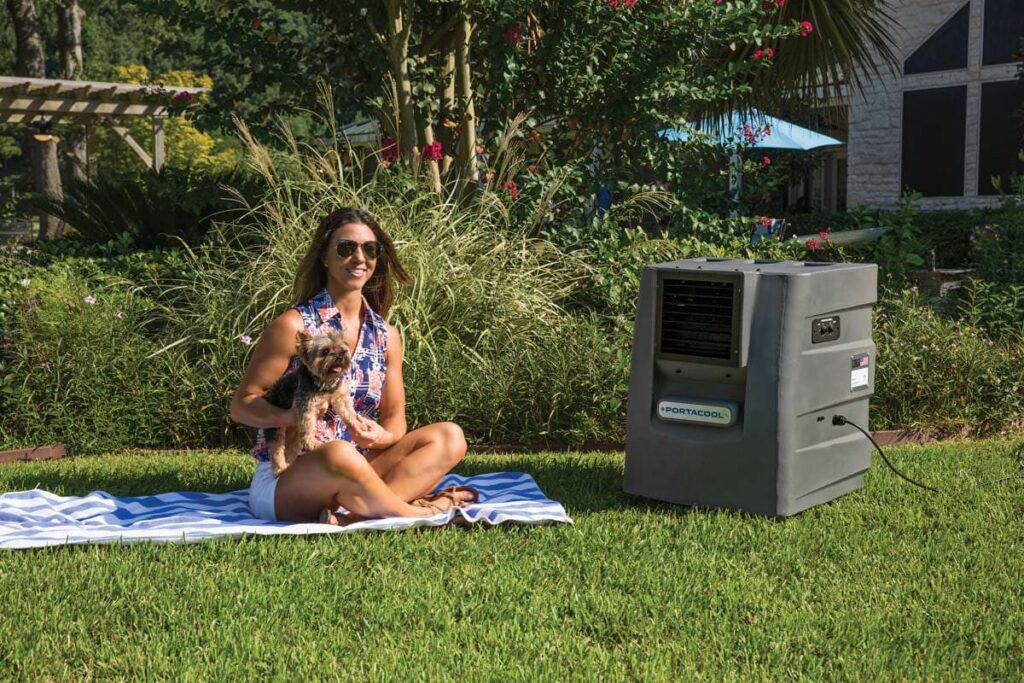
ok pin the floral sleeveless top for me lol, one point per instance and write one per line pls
(366, 377)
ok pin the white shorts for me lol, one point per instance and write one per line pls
(261, 492)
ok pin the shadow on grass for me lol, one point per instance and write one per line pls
(76, 478)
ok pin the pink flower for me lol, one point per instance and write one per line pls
(245, 339)
(613, 3)
(90, 299)
(813, 243)
(432, 152)
(780, 3)
(512, 34)
(389, 149)
(758, 54)
(630, 4)
(479, 149)
(510, 185)
(770, 53)
(47, 365)
(766, 222)
(766, 160)
(805, 28)
(748, 133)
(823, 235)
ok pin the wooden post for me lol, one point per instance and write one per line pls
(158, 143)
(91, 150)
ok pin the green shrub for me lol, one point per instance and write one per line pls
(998, 250)
(148, 209)
(75, 366)
(943, 375)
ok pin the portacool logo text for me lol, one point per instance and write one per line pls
(698, 413)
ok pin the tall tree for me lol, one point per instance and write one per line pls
(31, 62)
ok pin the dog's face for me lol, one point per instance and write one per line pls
(325, 355)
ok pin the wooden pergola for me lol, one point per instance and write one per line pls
(32, 101)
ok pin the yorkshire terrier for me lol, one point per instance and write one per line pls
(320, 382)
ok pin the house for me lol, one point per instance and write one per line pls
(950, 118)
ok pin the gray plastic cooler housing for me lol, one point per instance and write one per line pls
(738, 367)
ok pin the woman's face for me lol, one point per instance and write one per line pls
(353, 271)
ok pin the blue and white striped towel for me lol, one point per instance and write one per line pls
(33, 519)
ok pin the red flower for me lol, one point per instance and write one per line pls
(823, 235)
(389, 150)
(432, 152)
(630, 4)
(766, 160)
(770, 53)
(510, 185)
(758, 54)
(813, 243)
(513, 34)
(749, 134)
(766, 222)
(805, 28)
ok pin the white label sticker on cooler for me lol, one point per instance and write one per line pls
(858, 378)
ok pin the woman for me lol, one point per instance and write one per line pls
(377, 469)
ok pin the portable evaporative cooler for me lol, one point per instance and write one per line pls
(738, 368)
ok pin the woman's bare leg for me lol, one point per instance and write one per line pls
(336, 474)
(419, 460)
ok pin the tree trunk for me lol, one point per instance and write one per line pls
(69, 22)
(398, 31)
(430, 167)
(69, 39)
(30, 62)
(448, 105)
(465, 158)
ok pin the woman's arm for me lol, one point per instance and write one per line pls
(269, 361)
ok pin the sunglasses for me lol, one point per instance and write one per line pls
(371, 249)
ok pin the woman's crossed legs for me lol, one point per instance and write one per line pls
(378, 485)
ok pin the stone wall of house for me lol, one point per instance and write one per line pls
(876, 114)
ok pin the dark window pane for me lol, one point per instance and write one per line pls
(1004, 28)
(946, 49)
(999, 154)
(934, 128)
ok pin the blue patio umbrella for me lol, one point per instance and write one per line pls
(754, 129)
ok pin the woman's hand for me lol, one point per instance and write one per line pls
(368, 434)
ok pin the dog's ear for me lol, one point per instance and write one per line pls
(302, 339)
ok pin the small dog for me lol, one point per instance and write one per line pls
(320, 382)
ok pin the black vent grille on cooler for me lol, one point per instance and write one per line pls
(696, 318)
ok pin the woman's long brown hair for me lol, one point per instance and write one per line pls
(379, 290)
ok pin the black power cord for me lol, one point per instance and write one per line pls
(1018, 455)
(840, 420)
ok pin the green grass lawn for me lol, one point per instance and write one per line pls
(886, 583)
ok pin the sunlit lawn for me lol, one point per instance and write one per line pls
(886, 583)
